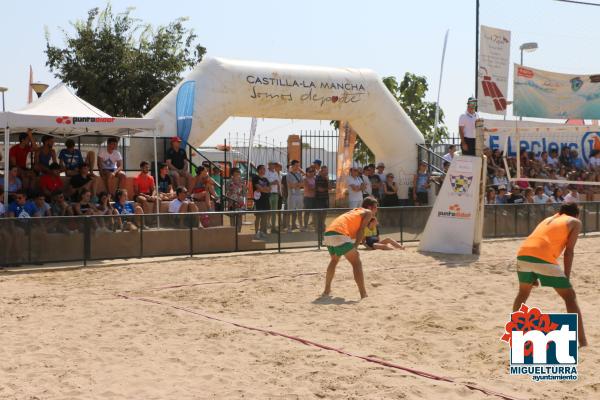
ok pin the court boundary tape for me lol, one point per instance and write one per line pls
(307, 342)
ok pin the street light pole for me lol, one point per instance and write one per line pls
(476, 47)
(529, 47)
(3, 89)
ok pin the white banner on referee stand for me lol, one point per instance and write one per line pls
(452, 226)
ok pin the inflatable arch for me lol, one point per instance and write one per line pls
(217, 89)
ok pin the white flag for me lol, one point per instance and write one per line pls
(494, 57)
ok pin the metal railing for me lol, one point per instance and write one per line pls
(86, 238)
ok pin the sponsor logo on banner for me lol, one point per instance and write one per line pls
(492, 75)
(585, 142)
(454, 211)
(460, 184)
(73, 120)
(576, 84)
(524, 72)
(543, 346)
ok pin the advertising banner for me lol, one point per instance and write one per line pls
(451, 227)
(494, 56)
(539, 137)
(346, 143)
(545, 94)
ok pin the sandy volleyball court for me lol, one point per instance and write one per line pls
(67, 334)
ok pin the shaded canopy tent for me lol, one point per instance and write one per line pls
(60, 113)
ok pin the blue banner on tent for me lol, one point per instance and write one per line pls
(185, 109)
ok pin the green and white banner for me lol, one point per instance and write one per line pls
(545, 94)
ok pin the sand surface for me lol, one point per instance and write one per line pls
(67, 335)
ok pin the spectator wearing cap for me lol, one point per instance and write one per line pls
(18, 157)
(144, 188)
(516, 196)
(466, 128)
(449, 156)
(70, 159)
(274, 179)
(110, 166)
(45, 155)
(50, 181)
(178, 163)
(501, 197)
(316, 166)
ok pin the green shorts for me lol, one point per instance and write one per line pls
(530, 269)
(337, 244)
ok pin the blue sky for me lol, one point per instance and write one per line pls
(390, 37)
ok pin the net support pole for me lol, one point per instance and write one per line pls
(6, 163)
(157, 211)
(479, 141)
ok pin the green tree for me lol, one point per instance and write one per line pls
(410, 94)
(121, 65)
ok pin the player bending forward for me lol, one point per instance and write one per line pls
(342, 238)
(537, 260)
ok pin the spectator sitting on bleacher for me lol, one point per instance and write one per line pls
(2, 208)
(14, 182)
(515, 197)
(490, 196)
(165, 187)
(501, 197)
(58, 206)
(594, 161)
(576, 161)
(572, 196)
(50, 181)
(20, 208)
(553, 159)
(110, 166)
(541, 197)
(126, 208)
(71, 159)
(83, 180)
(202, 189)
(45, 156)
(177, 161)
(181, 204)
(144, 190)
(18, 157)
(500, 179)
(565, 157)
(39, 206)
(557, 197)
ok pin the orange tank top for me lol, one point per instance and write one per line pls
(347, 224)
(548, 240)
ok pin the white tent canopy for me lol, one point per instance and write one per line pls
(59, 112)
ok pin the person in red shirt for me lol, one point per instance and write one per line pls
(51, 182)
(144, 189)
(18, 157)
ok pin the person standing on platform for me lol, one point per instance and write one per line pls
(466, 128)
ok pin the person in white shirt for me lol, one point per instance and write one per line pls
(356, 186)
(572, 196)
(541, 197)
(449, 156)
(366, 179)
(501, 179)
(274, 178)
(595, 160)
(553, 159)
(110, 166)
(466, 128)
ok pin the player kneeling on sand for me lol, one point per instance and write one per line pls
(537, 259)
(343, 236)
